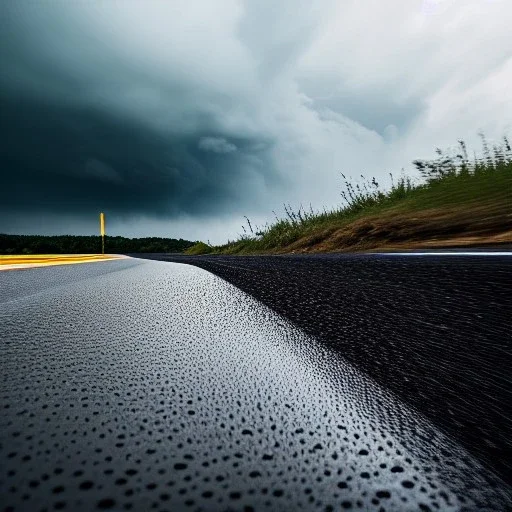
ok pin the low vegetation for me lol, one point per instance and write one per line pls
(67, 244)
(199, 248)
(457, 202)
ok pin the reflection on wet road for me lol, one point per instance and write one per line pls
(132, 385)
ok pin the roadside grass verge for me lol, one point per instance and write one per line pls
(199, 248)
(457, 201)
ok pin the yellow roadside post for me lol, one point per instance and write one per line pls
(102, 231)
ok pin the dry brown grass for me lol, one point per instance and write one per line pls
(464, 225)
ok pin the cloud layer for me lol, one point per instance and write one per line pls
(184, 116)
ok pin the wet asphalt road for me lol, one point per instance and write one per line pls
(138, 385)
(436, 330)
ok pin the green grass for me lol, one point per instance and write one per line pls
(449, 182)
(199, 248)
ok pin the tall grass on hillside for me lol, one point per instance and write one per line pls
(450, 179)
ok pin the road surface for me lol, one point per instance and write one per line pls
(435, 329)
(144, 385)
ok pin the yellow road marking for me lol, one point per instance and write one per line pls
(17, 262)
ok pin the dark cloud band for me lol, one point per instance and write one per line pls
(71, 159)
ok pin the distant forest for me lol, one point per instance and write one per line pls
(67, 244)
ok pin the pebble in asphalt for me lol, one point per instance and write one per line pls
(132, 385)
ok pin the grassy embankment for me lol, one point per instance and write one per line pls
(457, 203)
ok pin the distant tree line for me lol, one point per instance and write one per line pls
(68, 244)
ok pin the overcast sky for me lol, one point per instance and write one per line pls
(177, 118)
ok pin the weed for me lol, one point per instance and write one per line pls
(450, 179)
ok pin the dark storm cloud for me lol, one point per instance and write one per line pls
(66, 158)
(85, 130)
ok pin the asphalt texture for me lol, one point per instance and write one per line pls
(436, 330)
(143, 385)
